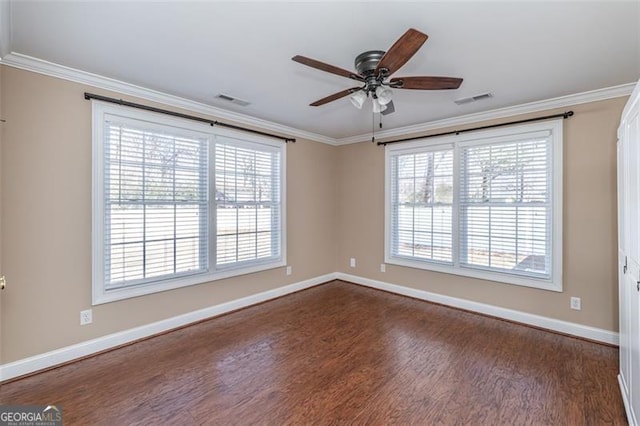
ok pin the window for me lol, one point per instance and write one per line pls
(179, 203)
(422, 201)
(247, 203)
(485, 205)
(155, 203)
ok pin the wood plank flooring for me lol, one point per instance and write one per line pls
(339, 354)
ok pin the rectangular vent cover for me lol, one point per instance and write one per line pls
(475, 98)
(233, 100)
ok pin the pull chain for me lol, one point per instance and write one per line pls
(373, 127)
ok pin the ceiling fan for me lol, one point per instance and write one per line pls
(374, 67)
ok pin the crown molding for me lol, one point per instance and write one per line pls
(18, 60)
(537, 106)
(40, 66)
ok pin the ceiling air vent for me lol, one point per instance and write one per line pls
(475, 98)
(231, 99)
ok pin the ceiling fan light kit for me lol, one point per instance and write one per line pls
(358, 98)
(374, 67)
(383, 95)
(377, 106)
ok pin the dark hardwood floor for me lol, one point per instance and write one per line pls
(339, 354)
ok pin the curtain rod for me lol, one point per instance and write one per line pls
(564, 115)
(89, 96)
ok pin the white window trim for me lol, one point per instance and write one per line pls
(99, 294)
(446, 142)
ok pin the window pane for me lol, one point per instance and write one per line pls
(248, 178)
(226, 249)
(404, 243)
(263, 243)
(126, 262)
(422, 196)
(504, 195)
(156, 200)
(159, 258)
(187, 254)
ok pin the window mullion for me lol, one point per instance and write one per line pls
(431, 184)
(213, 202)
(519, 198)
(144, 205)
(255, 199)
(275, 211)
(490, 192)
(413, 209)
(455, 209)
(175, 208)
(236, 202)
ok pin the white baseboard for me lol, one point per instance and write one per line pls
(69, 353)
(83, 349)
(627, 406)
(571, 328)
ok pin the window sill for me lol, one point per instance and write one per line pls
(551, 285)
(101, 296)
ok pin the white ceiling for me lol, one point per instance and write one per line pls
(519, 51)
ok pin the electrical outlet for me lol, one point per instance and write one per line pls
(86, 317)
(576, 303)
(383, 267)
(352, 262)
(289, 270)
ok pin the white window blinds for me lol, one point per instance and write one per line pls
(421, 206)
(178, 203)
(248, 202)
(486, 205)
(505, 206)
(155, 203)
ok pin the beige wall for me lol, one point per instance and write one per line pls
(589, 225)
(335, 211)
(46, 195)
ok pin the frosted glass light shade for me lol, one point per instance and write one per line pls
(358, 98)
(377, 106)
(384, 95)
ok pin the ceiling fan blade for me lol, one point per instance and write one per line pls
(326, 67)
(389, 109)
(425, 83)
(335, 96)
(402, 50)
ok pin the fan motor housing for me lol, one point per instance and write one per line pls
(367, 62)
